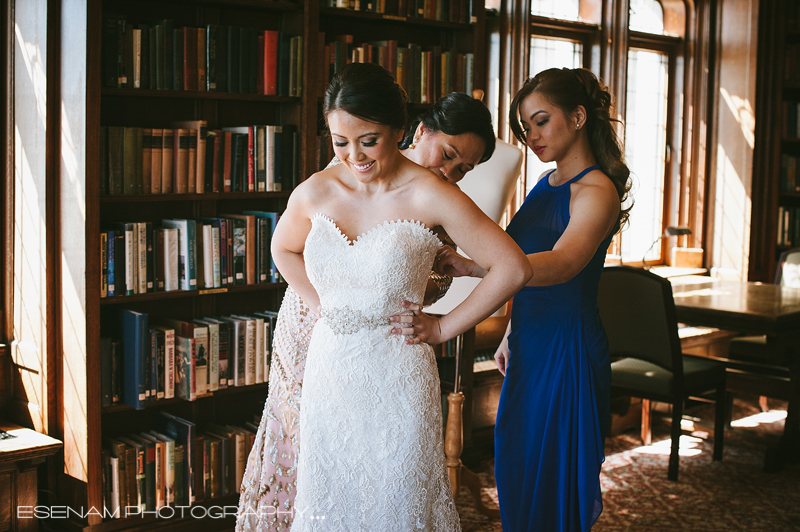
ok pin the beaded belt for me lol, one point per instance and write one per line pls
(348, 321)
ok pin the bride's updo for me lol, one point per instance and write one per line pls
(367, 91)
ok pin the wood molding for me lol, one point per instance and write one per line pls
(7, 209)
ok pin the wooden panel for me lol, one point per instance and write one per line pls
(735, 129)
(6, 499)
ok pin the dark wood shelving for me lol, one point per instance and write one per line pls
(198, 95)
(254, 5)
(418, 21)
(230, 390)
(147, 198)
(179, 294)
(787, 194)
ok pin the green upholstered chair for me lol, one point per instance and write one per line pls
(638, 314)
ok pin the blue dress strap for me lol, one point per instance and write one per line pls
(593, 167)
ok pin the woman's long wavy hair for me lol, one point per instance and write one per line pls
(567, 89)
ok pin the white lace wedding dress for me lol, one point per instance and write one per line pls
(373, 456)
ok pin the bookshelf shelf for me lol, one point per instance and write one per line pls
(794, 195)
(198, 95)
(148, 198)
(180, 294)
(255, 5)
(405, 21)
(159, 403)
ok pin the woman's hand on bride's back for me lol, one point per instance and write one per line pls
(419, 327)
(450, 262)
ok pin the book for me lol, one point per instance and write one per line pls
(137, 493)
(270, 67)
(213, 352)
(237, 351)
(183, 432)
(185, 379)
(187, 263)
(168, 334)
(116, 151)
(167, 161)
(198, 129)
(171, 258)
(190, 75)
(273, 217)
(249, 246)
(156, 152)
(239, 251)
(134, 334)
(181, 161)
(211, 57)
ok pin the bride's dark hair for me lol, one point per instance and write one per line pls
(369, 92)
(567, 89)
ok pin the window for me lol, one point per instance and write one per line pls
(650, 57)
(558, 9)
(645, 152)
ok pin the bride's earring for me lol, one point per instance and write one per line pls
(413, 144)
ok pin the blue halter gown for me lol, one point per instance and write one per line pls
(554, 405)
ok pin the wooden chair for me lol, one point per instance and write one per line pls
(638, 314)
(766, 357)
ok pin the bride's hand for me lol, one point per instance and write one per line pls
(419, 327)
(449, 262)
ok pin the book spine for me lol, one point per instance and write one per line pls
(169, 363)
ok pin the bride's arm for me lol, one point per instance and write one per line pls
(288, 243)
(507, 269)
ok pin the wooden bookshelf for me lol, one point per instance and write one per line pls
(84, 210)
(778, 88)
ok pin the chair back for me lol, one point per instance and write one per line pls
(788, 272)
(638, 314)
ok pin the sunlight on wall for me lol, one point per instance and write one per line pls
(735, 139)
(29, 346)
(743, 112)
(731, 220)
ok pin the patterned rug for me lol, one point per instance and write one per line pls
(734, 494)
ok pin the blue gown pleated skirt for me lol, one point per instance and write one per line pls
(554, 405)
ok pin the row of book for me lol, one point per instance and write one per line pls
(144, 359)
(789, 178)
(792, 63)
(187, 254)
(788, 226)
(446, 10)
(791, 119)
(426, 75)
(174, 464)
(190, 158)
(156, 55)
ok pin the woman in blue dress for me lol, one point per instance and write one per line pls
(554, 406)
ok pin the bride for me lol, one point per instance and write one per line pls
(354, 242)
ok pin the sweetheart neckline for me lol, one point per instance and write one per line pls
(352, 243)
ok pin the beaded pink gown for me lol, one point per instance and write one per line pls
(269, 484)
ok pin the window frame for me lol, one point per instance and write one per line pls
(670, 46)
(7, 172)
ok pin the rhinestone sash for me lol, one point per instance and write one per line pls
(346, 320)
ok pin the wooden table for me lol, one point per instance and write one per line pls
(19, 458)
(752, 308)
